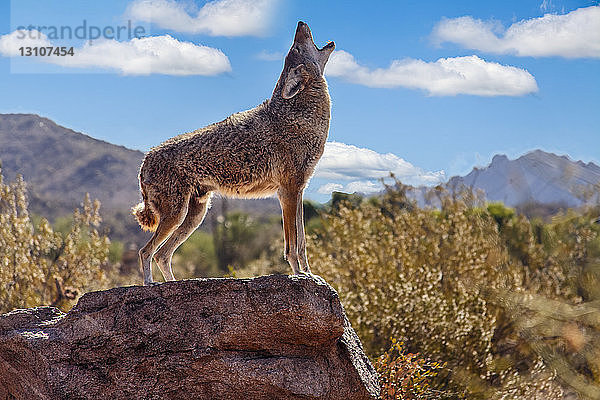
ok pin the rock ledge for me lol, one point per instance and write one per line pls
(272, 337)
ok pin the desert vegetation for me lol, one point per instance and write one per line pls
(508, 305)
(463, 300)
(40, 265)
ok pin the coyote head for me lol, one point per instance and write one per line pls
(304, 62)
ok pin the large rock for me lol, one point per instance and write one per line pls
(273, 337)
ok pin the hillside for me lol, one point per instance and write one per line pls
(60, 166)
(536, 177)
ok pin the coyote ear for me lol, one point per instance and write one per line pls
(294, 82)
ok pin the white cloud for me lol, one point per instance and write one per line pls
(330, 187)
(354, 169)
(572, 35)
(270, 55)
(364, 187)
(10, 43)
(444, 77)
(143, 56)
(216, 18)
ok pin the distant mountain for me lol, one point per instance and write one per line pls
(536, 177)
(60, 166)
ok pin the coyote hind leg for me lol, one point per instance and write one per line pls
(197, 208)
(171, 213)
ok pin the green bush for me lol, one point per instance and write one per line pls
(196, 257)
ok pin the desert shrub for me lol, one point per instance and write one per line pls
(196, 257)
(415, 274)
(240, 238)
(270, 261)
(554, 315)
(270, 258)
(562, 336)
(500, 213)
(39, 266)
(538, 382)
(436, 277)
(115, 251)
(237, 239)
(405, 375)
(573, 242)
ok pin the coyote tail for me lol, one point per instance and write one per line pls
(145, 216)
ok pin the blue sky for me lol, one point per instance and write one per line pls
(471, 79)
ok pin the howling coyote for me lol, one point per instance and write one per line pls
(272, 148)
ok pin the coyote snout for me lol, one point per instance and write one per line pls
(272, 148)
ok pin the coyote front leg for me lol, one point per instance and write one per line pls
(289, 205)
(301, 236)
